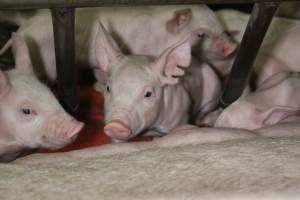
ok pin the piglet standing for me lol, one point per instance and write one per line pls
(276, 101)
(30, 115)
(151, 96)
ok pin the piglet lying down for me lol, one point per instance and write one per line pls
(151, 96)
(276, 100)
(145, 30)
(30, 115)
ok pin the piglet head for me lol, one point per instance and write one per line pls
(214, 42)
(31, 117)
(134, 87)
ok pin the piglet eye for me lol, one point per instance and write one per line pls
(148, 94)
(26, 111)
(108, 88)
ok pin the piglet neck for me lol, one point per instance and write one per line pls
(174, 108)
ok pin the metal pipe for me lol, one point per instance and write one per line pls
(261, 17)
(63, 27)
(34, 4)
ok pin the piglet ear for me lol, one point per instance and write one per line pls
(107, 51)
(4, 85)
(179, 21)
(167, 65)
(21, 54)
(277, 114)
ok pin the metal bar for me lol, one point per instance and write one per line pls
(34, 4)
(63, 27)
(261, 17)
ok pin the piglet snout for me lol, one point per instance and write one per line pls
(68, 133)
(75, 127)
(228, 49)
(61, 131)
(222, 48)
(66, 128)
(117, 130)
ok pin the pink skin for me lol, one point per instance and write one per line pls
(215, 45)
(210, 119)
(117, 129)
(275, 102)
(283, 55)
(278, 52)
(30, 117)
(144, 94)
(145, 30)
(222, 47)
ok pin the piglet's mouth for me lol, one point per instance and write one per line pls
(117, 129)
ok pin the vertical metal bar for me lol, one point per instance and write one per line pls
(63, 27)
(261, 17)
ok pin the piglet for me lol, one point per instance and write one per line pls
(276, 40)
(145, 30)
(276, 101)
(151, 96)
(30, 116)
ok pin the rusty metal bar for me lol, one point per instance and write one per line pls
(63, 27)
(261, 17)
(34, 4)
